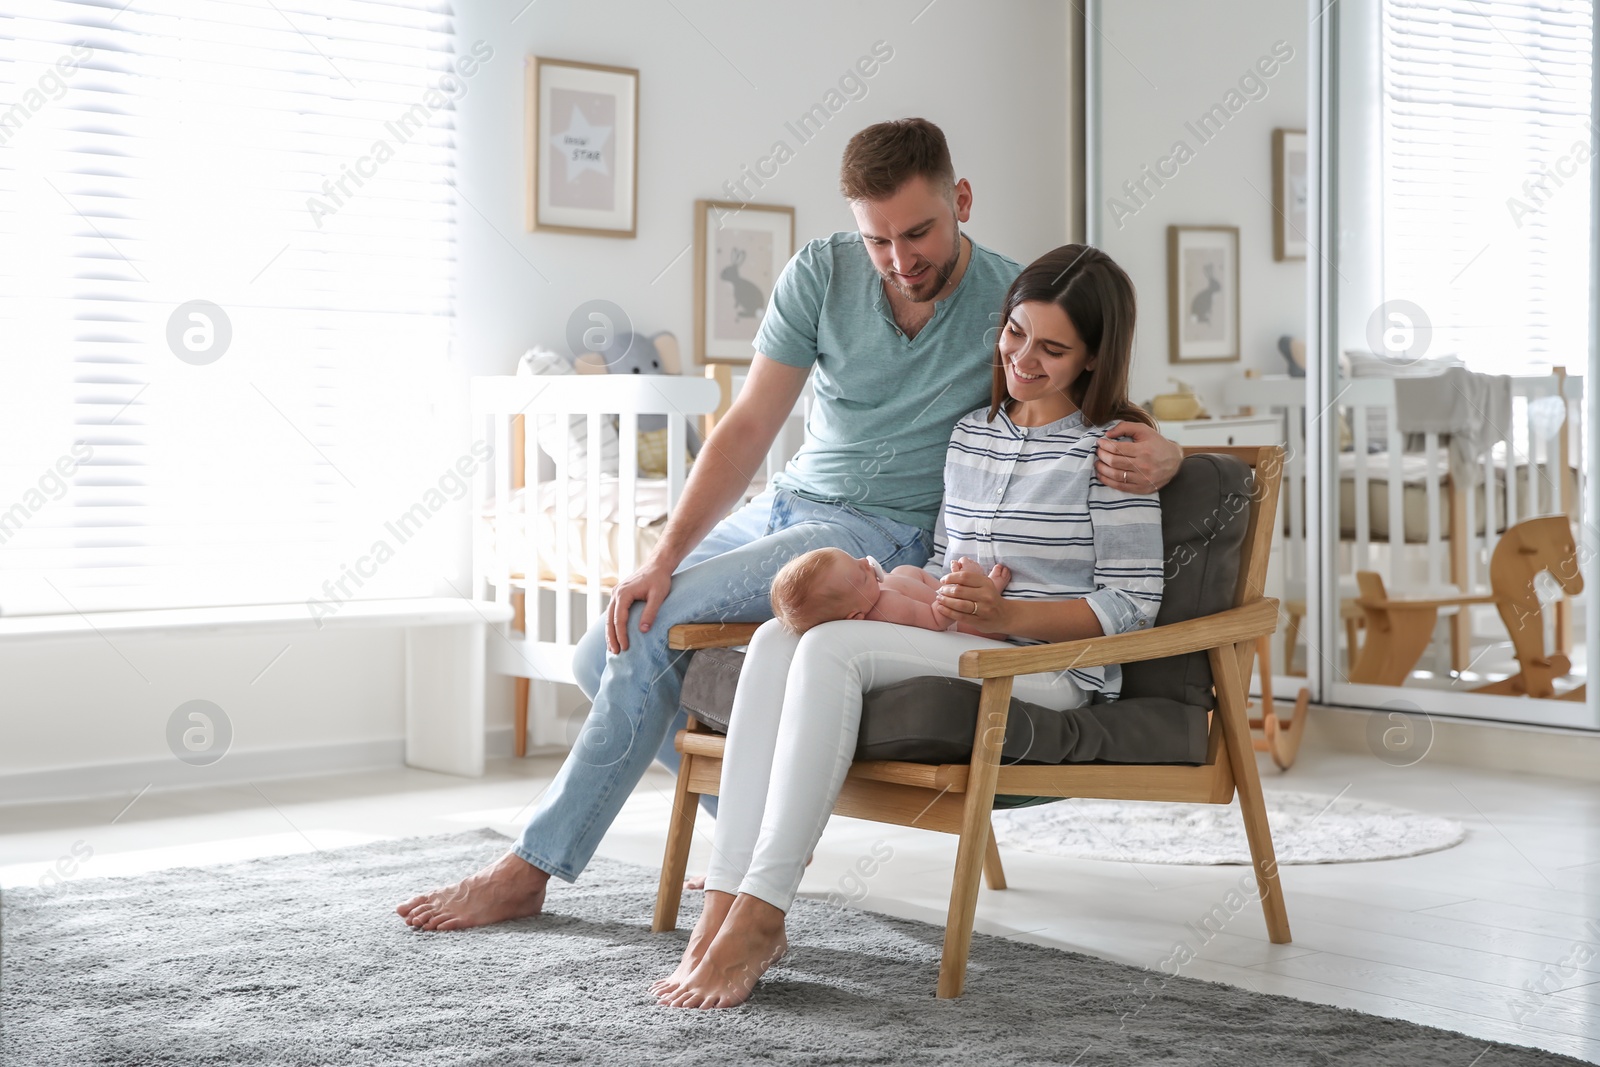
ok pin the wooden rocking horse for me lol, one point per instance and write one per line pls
(1398, 630)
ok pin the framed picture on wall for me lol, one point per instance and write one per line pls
(582, 147)
(1289, 223)
(739, 251)
(1203, 293)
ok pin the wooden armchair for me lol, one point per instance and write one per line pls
(958, 798)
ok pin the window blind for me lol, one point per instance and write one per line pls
(1486, 136)
(227, 245)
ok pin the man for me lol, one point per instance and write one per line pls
(895, 318)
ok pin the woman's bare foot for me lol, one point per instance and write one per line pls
(750, 941)
(705, 931)
(509, 888)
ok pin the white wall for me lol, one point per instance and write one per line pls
(1162, 65)
(718, 83)
(717, 86)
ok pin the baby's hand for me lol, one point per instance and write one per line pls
(1000, 575)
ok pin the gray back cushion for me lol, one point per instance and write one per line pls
(1204, 512)
(1161, 716)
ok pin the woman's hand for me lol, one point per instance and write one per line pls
(967, 595)
(1142, 465)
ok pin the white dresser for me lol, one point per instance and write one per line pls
(1230, 430)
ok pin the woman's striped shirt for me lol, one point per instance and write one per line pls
(1028, 497)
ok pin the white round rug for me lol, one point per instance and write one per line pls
(1306, 828)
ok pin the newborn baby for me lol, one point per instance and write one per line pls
(829, 584)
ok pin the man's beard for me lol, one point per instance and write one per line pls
(941, 275)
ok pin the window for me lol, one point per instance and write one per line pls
(1486, 143)
(227, 243)
(1485, 191)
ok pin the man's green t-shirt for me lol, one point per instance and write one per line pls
(885, 404)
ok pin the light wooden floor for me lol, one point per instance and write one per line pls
(1460, 939)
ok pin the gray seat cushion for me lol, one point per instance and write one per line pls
(1161, 717)
(932, 719)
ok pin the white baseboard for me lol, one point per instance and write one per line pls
(1516, 747)
(130, 777)
(127, 778)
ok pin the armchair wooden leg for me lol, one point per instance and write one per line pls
(1225, 670)
(989, 736)
(680, 833)
(994, 875)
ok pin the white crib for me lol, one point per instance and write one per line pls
(1398, 513)
(552, 536)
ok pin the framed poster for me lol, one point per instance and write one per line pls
(582, 147)
(1203, 293)
(1289, 221)
(739, 251)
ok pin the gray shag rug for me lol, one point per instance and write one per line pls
(301, 960)
(1306, 828)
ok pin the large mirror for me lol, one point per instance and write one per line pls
(1199, 188)
(1362, 230)
(1457, 270)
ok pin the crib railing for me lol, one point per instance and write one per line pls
(1529, 474)
(497, 404)
(790, 436)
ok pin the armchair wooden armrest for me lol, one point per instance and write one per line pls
(690, 636)
(1235, 625)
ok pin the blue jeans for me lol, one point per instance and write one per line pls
(635, 713)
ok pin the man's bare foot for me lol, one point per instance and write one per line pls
(509, 888)
(750, 941)
(705, 930)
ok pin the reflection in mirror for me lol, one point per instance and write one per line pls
(1459, 186)
(1200, 167)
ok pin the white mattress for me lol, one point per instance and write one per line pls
(514, 545)
(1414, 495)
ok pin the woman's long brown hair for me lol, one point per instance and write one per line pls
(1097, 296)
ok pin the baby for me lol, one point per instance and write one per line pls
(829, 584)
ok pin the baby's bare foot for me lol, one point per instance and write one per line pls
(1000, 575)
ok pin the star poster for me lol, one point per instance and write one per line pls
(582, 150)
(582, 140)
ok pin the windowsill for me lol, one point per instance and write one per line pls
(417, 611)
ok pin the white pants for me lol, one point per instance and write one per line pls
(792, 737)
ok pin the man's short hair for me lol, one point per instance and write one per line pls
(886, 155)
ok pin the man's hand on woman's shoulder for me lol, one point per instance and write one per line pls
(1142, 464)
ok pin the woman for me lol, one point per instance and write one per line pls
(1020, 490)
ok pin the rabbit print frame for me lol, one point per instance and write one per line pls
(1203, 294)
(739, 251)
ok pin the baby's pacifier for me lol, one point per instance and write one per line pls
(877, 568)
